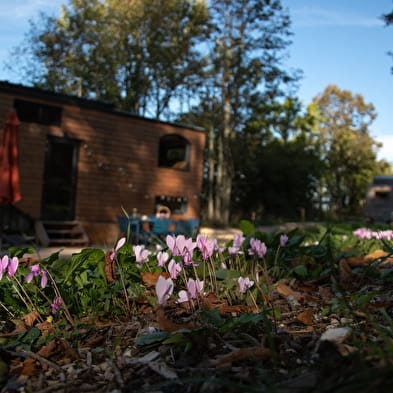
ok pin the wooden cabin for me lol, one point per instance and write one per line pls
(83, 163)
(379, 200)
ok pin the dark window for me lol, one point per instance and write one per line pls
(35, 112)
(177, 205)
(174, 152)
(381, 194)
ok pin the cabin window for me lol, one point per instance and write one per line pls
(176, 205)
(35, 112)
(174, 152)
(382, 194)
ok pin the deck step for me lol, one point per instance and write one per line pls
(61, 233)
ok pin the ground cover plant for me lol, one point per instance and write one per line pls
(303, 311)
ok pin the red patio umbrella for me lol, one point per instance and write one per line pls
(9, 161)
(9, 166)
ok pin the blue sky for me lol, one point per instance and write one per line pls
(340, 42)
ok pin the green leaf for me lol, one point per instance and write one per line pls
(146, 339)
(31, 335)
(247, 227)
(225, 274)
(244, 319)
(213, 317)
(177, 338)
(301, 270)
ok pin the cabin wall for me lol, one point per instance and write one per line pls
(117, 167)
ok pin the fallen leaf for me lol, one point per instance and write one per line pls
(167, 325)
(29, 367)
(306, 317)
(346, 275)
(109, 268)
(45, 327)
(30, 318)
(150, 279)
(47, 350)
(285, 291)
(325, 293)
(66, 350)
(249, 353)
(15, 332)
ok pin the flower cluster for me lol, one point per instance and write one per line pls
(257, 248)
(368, 234)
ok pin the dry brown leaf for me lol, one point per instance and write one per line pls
(93, 341)
(15, 332)
(29, 367)
(236, 309)
(28, 260)
(363, 260)
(167, 325)
(210, 301)
(285, 291)
(150, 279)
(346, 275)
(325, 293)
(250, 353)
(45, 327)
(66, 351)
(47, 350)
(306, 317)
(30, 318)
(109, 268)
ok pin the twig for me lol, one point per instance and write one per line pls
(41, 359)
(52, 388)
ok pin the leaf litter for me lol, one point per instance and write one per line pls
(328, 334)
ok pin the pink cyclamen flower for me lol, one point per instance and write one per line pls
(238, 240)
(141, 254)
(162, 258)
(233, 251)
(164, 289)
(44, 278)
(244, 284)
(174, 268)
(194, 287)
(3, 265)
(56, 305)
(283, 240)
(35, 270)
(206, 246)
(257, 248)
(13, 266)
(119, 245)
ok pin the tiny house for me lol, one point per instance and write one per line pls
(379, 200)
(84, 162)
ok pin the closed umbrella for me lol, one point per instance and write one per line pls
(9, 163)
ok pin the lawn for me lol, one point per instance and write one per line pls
(305, 311)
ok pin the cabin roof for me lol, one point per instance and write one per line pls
(81, 102)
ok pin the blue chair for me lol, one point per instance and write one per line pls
(130, 225)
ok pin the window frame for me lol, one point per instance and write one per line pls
(178, 142)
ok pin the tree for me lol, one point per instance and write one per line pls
(278, 176)
(348, 150)
(138, 54)
(244, 55)
(388, 19)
